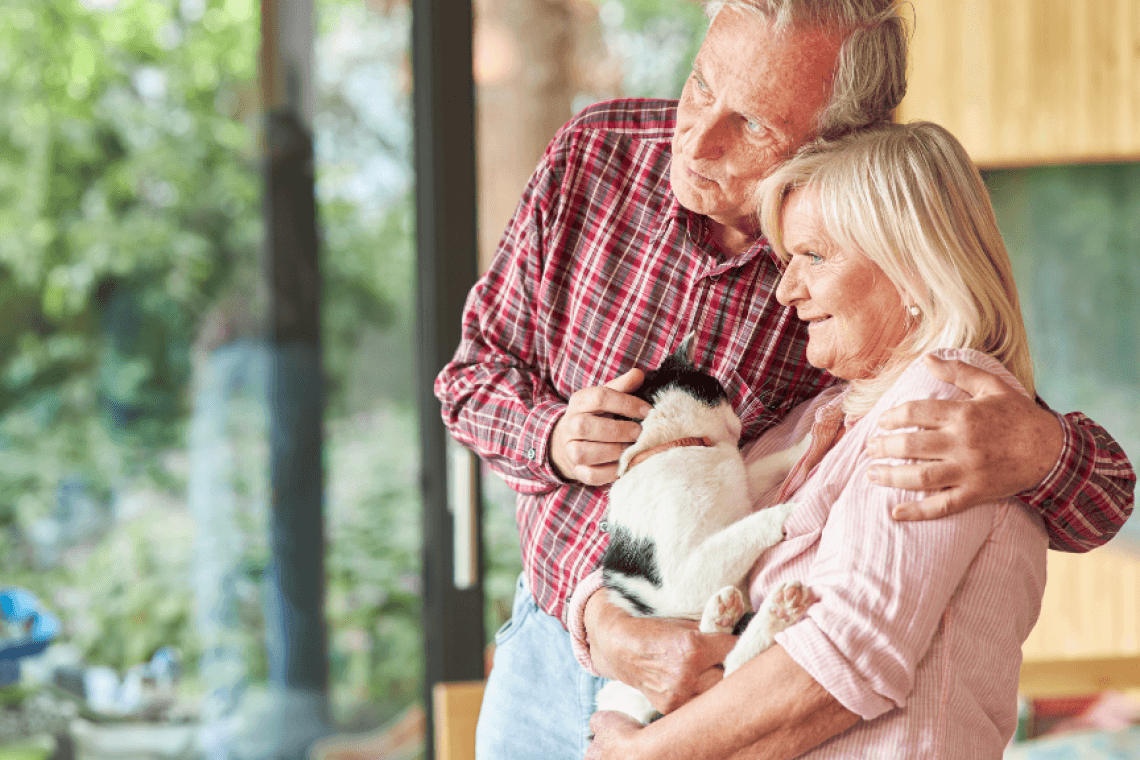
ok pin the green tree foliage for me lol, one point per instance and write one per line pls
(130, 236)
(656, 41)
(128, 198)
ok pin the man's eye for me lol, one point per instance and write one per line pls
(754, 127)
(700, 84)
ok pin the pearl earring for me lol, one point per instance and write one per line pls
(914, 310)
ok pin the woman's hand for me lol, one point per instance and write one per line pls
(990, 447)
(614, 736)
(667, 660)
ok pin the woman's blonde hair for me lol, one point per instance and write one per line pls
(908, 197)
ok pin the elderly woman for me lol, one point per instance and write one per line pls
(913, 647)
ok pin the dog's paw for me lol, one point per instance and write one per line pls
(723, 610)
(783, 512)
(781, 609)
(622, 698)
(786, 605)
(770, 523)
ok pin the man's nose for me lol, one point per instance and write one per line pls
(706, 136)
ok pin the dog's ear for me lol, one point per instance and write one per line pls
(685, 350)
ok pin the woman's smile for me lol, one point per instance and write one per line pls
(854, 314)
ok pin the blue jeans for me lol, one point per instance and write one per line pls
(538, 699)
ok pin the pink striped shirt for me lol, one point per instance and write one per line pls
(919, 625)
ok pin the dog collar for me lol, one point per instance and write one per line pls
(641, 456)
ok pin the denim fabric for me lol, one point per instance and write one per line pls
(538, 699)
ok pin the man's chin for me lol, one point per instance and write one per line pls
(690, 197)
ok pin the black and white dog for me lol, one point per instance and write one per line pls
(682, 532)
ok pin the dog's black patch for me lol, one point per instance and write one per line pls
(628, 556)
(678, 372)
(741, 624)
(632, 557)
(615, 584)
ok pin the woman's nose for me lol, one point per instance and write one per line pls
(790, 291)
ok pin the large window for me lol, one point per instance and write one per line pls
(135, 433)
(132, 419)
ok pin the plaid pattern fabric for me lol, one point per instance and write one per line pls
(1089, 493)
(600, 271)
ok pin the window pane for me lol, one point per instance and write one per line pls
(132, 378)
(1072, 235)
(372, 511)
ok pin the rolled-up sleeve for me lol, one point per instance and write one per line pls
(883, 585)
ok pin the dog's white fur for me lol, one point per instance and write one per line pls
(695, 504)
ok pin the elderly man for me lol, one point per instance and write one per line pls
(637, 228)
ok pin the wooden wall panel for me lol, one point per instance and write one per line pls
(1088, 636)
(1025, 82)
(1091, 608)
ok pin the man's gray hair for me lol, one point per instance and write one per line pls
(870, 73)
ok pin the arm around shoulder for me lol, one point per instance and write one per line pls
(992, 442)
(1088, 495)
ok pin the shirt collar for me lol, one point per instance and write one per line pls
(830, 415)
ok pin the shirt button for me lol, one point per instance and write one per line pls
(604, 526)
(531, 454)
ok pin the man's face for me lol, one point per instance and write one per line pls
(751, 100)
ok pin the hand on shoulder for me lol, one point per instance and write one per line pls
(993, 444)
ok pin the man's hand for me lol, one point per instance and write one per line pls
(587, 441)
(995, 445)
(667, 660)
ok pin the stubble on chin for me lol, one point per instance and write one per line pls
(687, 192)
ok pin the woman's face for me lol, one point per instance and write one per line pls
(854, 313)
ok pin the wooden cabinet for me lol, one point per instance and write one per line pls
(1024, 82)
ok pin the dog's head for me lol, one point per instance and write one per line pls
(687, 402)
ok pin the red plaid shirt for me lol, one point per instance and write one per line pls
(601, 270)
